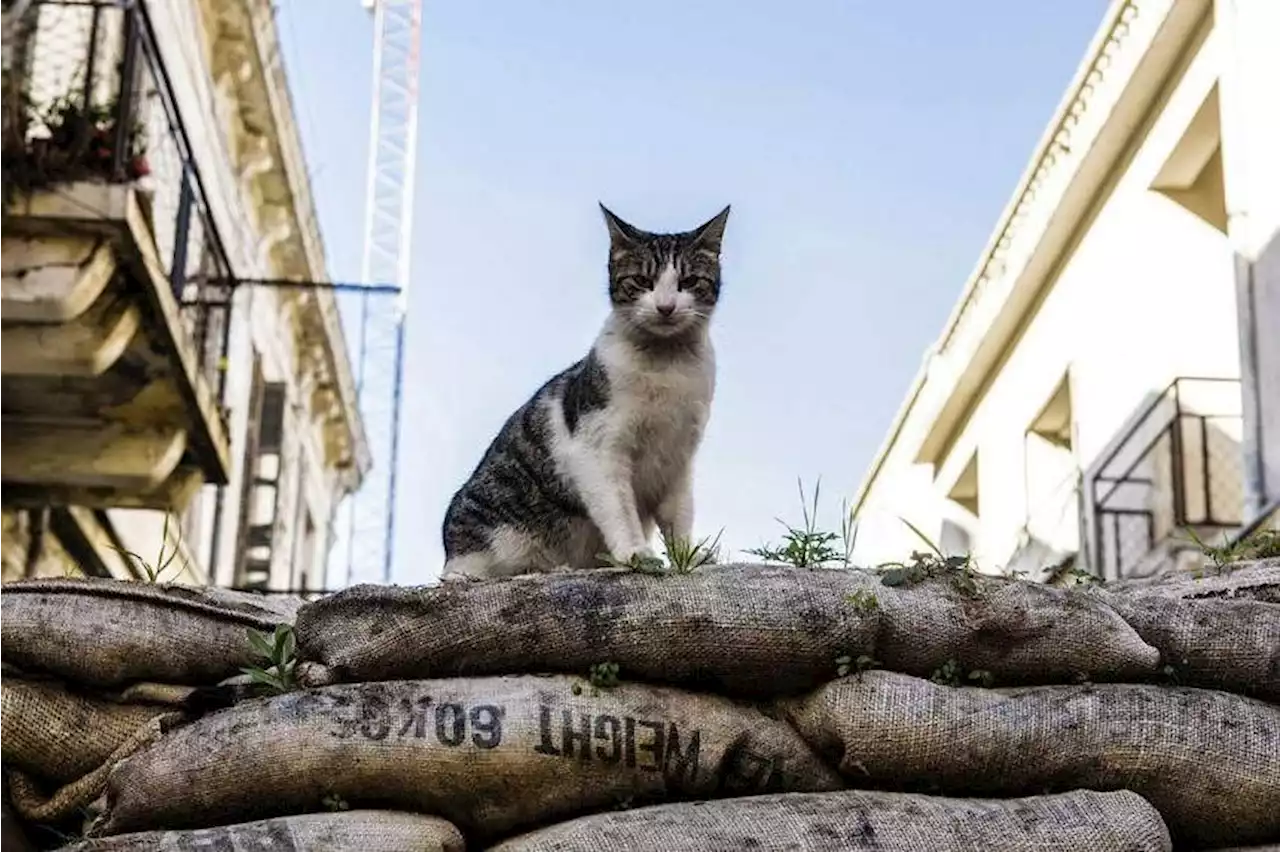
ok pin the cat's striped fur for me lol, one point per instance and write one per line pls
(602, 454)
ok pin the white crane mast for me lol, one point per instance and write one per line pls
(365, 532)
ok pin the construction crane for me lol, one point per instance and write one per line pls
(364, 534)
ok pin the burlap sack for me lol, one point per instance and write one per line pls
(1259, 581)
(1017, 632)
(490, 755)
(346, 831)
(750, 631)
(109, 632)
(740, 630)
(1217, 643)
(13, 837)
(1081, 821)
(58, 745)
(1208, 761)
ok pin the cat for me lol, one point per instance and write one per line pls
(602, 454)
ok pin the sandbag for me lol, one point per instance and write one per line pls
(751, 631)
(747, 630)
(345, 831)
(1258, 581)
(13, 838)
(1081, 821)
(111, 632)
(1012, 631)
(1208, 761)
(1231, 644)
(490, 755)
(58, 744)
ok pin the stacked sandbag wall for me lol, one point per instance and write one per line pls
(736, 707)
(95, 669)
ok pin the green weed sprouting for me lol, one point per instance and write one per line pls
(604, 675)
(952, 673)
(922, 566)
(1261, 544)
(847, 664)
(152, 572)
(684, 556)
(599, 676)
(863, 600)
(334, 803)
(848, 531)
(805, 546)
(279, 650)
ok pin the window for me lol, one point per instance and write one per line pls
(261, 494)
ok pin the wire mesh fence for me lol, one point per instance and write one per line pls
(1178, 467)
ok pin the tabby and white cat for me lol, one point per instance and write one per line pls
(603, 452)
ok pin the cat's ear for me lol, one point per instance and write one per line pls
(620, 233)
(710, 235)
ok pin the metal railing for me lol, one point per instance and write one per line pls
(88, 98)
(1177, 467)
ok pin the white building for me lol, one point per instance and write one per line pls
(1064, 415)
(149, 394)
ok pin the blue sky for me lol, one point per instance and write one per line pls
(867, 150)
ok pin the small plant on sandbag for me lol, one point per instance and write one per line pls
(934, 563)
(1261, 544)
(863, 600)
(807, 546)
(847, 664)
(153, 571)
(333, 802)
(952, 673)
(684, 555)
(279, 650)
(600, 676)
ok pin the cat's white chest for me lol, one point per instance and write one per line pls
(662, 415)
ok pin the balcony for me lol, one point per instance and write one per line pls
(1175, 473)
(116, 283)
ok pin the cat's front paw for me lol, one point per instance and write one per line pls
(646, 562)
(642, 560)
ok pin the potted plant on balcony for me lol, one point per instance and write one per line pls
(81, 142)
(16, 110)
(69, 141)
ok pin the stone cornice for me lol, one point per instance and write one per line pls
(1116, 49)
(1126, 34)
(245, 62)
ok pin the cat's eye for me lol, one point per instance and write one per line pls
(634, 282)
(692, 282)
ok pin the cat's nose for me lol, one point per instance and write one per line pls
(666, 310)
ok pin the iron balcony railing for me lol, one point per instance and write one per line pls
(1178, 467)
(88, 98)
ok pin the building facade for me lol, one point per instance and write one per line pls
(1107, 388)
(169, 401)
